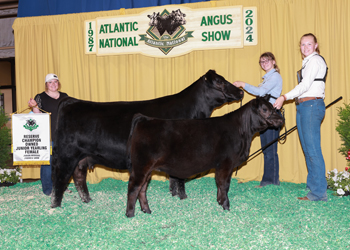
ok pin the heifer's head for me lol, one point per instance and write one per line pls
(221, 90)
(178, 17)
(153, 19)
(264, 114)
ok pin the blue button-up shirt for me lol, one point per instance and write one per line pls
(272, 85)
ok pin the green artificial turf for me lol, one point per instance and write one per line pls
(259, 218)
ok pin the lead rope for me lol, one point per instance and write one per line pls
(283, 139)
(19, 112)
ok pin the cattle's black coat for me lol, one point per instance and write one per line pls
(90, 133)
(183, 148)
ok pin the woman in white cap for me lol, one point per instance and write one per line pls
(48, 101)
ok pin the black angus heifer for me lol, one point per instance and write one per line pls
(90, 133)
(183, 148)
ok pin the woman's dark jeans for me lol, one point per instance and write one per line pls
(45, 176)
(271, 163)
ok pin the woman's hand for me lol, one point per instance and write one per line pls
(279, 102)
(32, 103)
(239, 84)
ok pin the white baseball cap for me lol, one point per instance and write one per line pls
(50, 77)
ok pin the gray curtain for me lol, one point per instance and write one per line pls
(6, 34)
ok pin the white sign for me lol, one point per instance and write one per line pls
(173, 30)
(31, 139)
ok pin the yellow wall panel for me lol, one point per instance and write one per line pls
(53, 44)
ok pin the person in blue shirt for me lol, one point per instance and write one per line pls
(272, 84)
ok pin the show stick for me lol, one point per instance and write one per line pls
(289, 131)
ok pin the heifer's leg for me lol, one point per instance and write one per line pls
(63, 166)
(79, 177)
(143, 198)
(60, 180)
(223, 179)
(177, 187)
(136, 182)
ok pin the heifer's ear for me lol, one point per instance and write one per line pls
(215, 80)
(255, 104)
(210, 75)
(267, 97)
(264, 103)
(264, 100)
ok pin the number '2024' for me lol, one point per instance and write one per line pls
(249, 21)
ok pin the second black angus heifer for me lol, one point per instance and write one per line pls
(90, 133)
(183, 148)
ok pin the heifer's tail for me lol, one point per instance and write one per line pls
(135, 120)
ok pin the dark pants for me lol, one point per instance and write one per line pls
(271, 163)
(45, 176)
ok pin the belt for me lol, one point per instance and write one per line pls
(301, 100)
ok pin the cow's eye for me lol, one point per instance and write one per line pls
(265, 109)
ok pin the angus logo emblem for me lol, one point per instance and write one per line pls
(31, 125)
(165, 30)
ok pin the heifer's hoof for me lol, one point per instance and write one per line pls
(182, 196)
(86, 200)
(225, 205)
(173, 191)
(226, 208)
(130, 214)
(53, 205)
(147, 211)
(54, 201)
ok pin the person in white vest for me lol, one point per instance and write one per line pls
(309, 97)
(48, 101)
